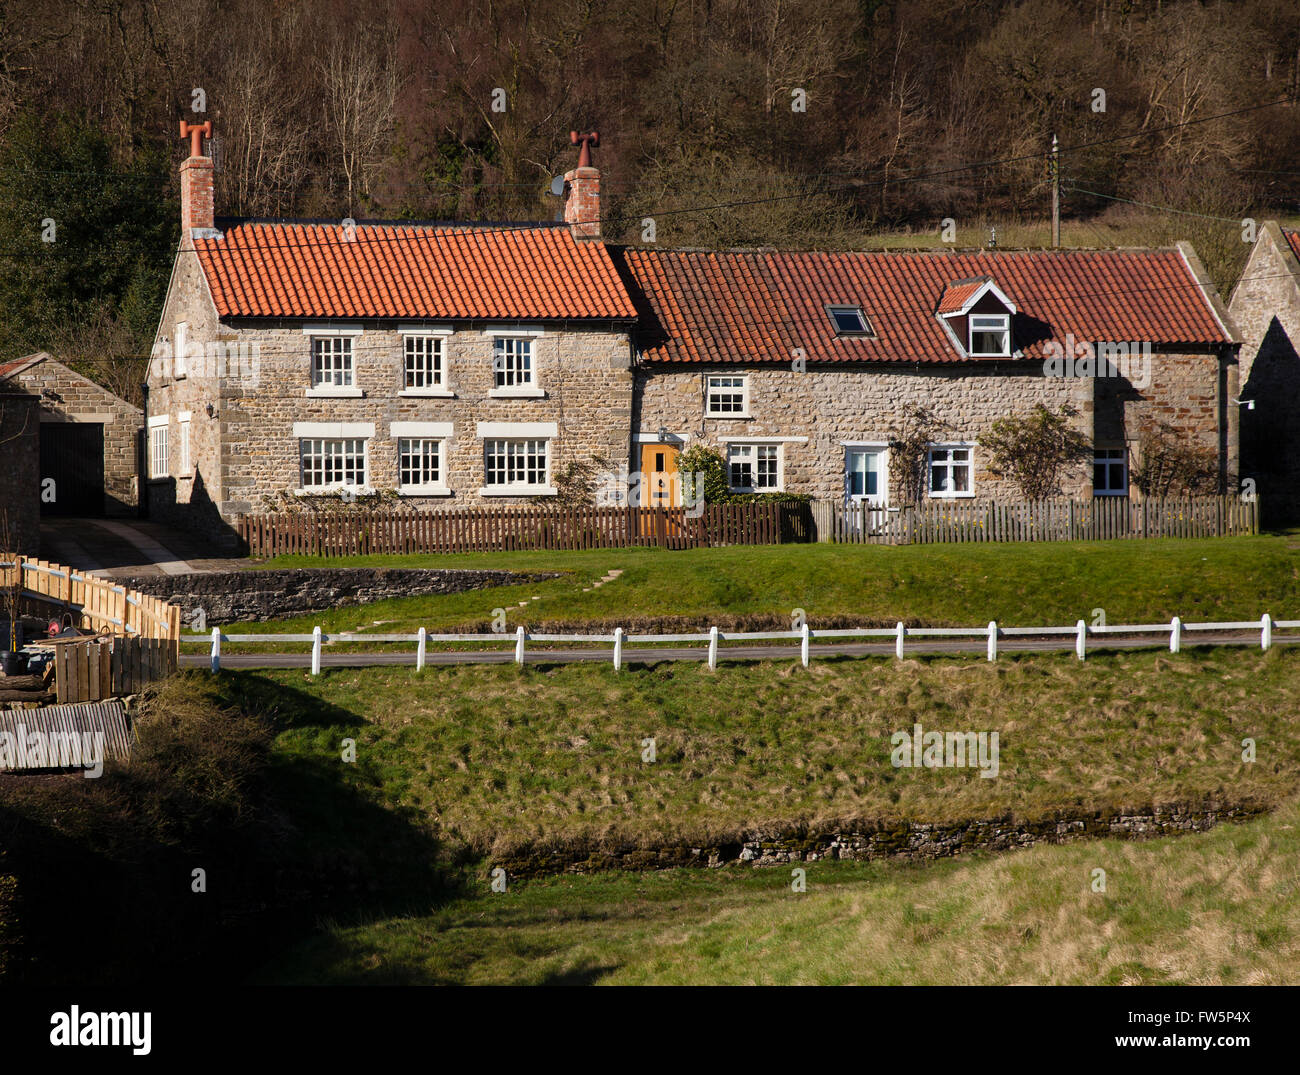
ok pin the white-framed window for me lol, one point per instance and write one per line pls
(333, 463)
(158, 461)
(332, 362)
(180, 341)
(1110, 472)
(952, 470)
(727, 396)
(419, 464)
(754, 468)
(424, 362)
(849, 320)
(866, 473)
(510, 464)
(990, 335)
(183, 429)
(512, 363)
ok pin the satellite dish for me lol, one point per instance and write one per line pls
(557, 186)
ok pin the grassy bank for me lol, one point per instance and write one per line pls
(958, 585)
(1220, 907)
(500, 760)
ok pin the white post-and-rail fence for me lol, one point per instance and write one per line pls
(1172, 632)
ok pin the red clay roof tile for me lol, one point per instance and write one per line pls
(392, 271)
(746, 307)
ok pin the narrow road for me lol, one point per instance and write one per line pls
(915, 648)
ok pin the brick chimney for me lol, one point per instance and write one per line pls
(196, 183)
(582, 190)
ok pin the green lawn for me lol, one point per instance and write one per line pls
(1216, 908)
(506, 762)
(845, 585)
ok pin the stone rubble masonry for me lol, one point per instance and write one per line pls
(905, 840)
(244, 596)
(75, 398)
(1266, 307)
(836, 406)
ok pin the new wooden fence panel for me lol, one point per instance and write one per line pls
(1054, 519)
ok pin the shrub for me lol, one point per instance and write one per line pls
(1169, 466)
(1036, 450)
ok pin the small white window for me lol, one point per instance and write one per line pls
(754, 468)
(331, 362)
(512, 363)
(158, 447)
(990, 335)
(952, 471)
(419, 464)
(180, 342)
(727, 397)
(184, 427)
(849, 320)
(1110, 472)
(521, 465)
(424, 362)
(333, 464)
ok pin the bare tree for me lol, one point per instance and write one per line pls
(361, 82)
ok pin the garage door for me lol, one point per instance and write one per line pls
(72, 454)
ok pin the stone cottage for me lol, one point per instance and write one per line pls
(1266, 306)
(798, 367)
(464, 363)
(442, 364)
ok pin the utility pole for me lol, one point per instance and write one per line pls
(1056, 197)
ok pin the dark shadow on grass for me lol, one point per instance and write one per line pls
(104, 868)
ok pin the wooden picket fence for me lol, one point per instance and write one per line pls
(101, 668)
(137, 637)
(450, 530)
(95, 604)
(1057, 519)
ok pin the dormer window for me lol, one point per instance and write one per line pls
(990, 335)
(849, 321)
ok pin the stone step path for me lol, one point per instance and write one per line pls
(609, 576)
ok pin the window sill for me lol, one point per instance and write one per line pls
(335, 490)
(952, 496)
(518, 490)
(724, 417)
(161, 479)
(424, 490)
(335, 392)
(750, 492)
(427, 393)
(517, 393)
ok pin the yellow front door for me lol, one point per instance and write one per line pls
(660, 487)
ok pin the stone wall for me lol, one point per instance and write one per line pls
(914, 841)
(20, 480)
(67, 396)
(1266, 307)
(832, 406)
(241, 596)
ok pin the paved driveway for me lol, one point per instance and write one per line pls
(122, 548)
